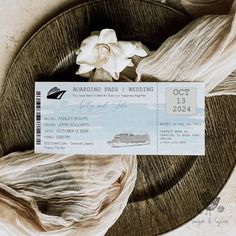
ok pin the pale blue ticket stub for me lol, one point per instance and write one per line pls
(147, 118)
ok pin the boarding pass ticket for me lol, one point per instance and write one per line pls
(143, 118)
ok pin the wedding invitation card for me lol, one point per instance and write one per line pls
(120, 118)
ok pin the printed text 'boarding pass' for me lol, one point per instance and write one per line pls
(119, 118)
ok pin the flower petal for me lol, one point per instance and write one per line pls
(84, 68)
(116, 64)
(87, 53)
(116, 76)
(89, 43)
(110, 66)
(127, 48)
(107, 36)
(87, 57)
(121, 62)
(139, 51)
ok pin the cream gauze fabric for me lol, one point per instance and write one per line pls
(205, 50)
(65, 195)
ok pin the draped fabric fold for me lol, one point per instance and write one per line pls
(204, 51)
(83, 192)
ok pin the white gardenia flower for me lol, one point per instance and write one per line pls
(104, 53)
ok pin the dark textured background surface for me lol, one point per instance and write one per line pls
(170, 190)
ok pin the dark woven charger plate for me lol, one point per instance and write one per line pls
(170, 190)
